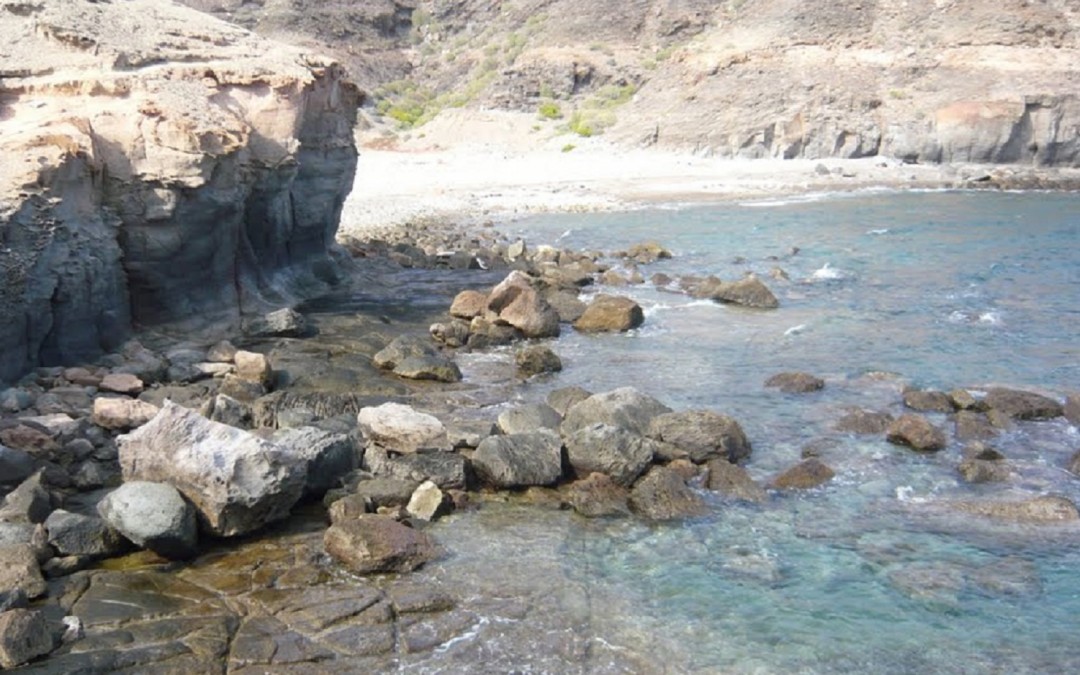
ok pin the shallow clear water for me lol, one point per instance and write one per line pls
(865, 574)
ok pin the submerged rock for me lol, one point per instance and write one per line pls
(749, 291)
(732, 481)
(662, 494)
(1023, 405)
(1048, 509)
(401, 348)
(598, 495)
(372, 544)
(916, 432)
(807, 474)
(795, 382)
(928, 401)
(859, 421)
(236, 481)
(436, 368)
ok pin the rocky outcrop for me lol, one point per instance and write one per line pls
(160, 168)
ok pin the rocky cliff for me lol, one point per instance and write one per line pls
(159, 168)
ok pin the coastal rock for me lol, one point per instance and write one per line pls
(400, 428)
(428, 502)
(327, 456)
(15, 466)
(561, 399)
(166, 195)
(795, 382)
(609, 314)
(435, 368)
(468, 305)
(1048, 509)
(1074, 464)
(30, 502)
(859, 421)
(973, 470)
(1023, 405)
(121, 413)
(380, 491)
(254, 367)
(284, 322)
(702, 434)
(484, 334)
(24, 635)
(732, 481)
(516, 303)
(121, 383)
(153, 516)
(928, 401)
(662, 494)
(614, 452)
(626, 408)
(598, 495)
(749, 291)
(566, 304)
(401, 348)
(19, 570)
(916, 432)
(520, 460)
(236, 481)
(530, 417)
(73, 534)
(973, 426)
(227, 410)
(535, 360)
(645, 253)
(454, 334)
(1071, 409)
(371, 544)
(221, 352)
(807, 474)
(445, 469)
(982, 451)
(241, 389)
(962, 399)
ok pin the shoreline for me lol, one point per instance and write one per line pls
(481, 184)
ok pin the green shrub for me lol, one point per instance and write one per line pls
(568, 147)
(549, 110)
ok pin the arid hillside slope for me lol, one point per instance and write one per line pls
(923, 80)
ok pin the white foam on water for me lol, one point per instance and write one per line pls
(878, 231)
(828, 273)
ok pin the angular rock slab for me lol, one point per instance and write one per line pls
(519, 460)
(328, 456)
(402, 429)
(236, 481)
(153, 516)
(371, 544)
(24, 635)
(19, 570)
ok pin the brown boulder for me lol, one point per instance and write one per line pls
(795, 383)
(732, 481)
(928, 401)
(516, 303)
(1072, 408)
(916, 432)
(749, 291)
(859, 421)
(371, 544)
(662, 494)
(610, 313)
(598, 495)
(702, 434)
(468, 304)
(983, 471)
(1023, 405)
(973, 426)
(807, 474)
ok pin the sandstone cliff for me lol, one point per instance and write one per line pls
(160, 168)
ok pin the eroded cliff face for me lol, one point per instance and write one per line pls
(160, 168)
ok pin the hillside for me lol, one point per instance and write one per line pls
(922, 80)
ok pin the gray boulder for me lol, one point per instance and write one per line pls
(916, 432)
(662, 494)
(610, 314)
(15, 465)
(370, 544)
(152, 516)
(1023, 405)
(562, 399)
(74, 534)
(236, 481)
(445, 469)
(928, 401)
(328, 456)
(227, 410)
(749, 291)
(454, 334)
(1047, 509)
(281, 323)
(566, 304)
(436, 368)
(529, 417)
(520, 460)
(535, 360)
(732, 481)
(626, 408)
(702, 434)
(19, 570)
(400, 428)
(795, 382)
(24, 635)
(614, 452)
(30, 502)
(400, 348)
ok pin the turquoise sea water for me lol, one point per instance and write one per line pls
(868, 574)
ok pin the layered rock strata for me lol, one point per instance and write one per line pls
(160, 168)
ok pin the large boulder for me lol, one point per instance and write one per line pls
(445, 469)
(468, 304)
(74, 534)
(370, 544)
(626, 408)
(236, 481)
(529, 417)
(328, 456)
(749, 291)
(662, 494)
(402, 429)
(916, 432)
(614, 452)
(702, 434)
(153, 516)
(24, 635)
(609, 314)
(19, 570)
(1023, 405)
(516, 303)
(520, 460)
